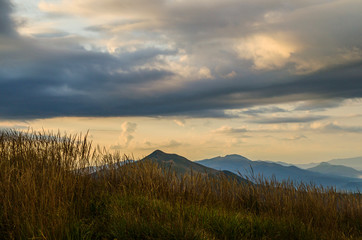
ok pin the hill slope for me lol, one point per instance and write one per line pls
(182, 165)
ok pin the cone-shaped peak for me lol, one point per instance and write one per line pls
(157, 153)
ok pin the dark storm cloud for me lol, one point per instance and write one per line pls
(41, 81)
(6, 23)
(56, 77)
(87, 84)
(341, 82)
(92, 93)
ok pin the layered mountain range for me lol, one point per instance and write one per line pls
(324, 174)
(241, 168)
(182, 165)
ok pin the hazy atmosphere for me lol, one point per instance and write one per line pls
(268, 79)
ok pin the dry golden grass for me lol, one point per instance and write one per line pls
(49, 191)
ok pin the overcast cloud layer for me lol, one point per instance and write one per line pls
(174, 57)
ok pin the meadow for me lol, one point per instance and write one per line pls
(49, 190)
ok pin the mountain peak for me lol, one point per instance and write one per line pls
(182, 165)
(158, 151)
(339, 170)
(234, 155)
(160, 155)
(325, 164)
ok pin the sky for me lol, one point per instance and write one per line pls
(267, 79)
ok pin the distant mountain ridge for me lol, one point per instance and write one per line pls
(235, 166)
(337, 170)
(355, 162)
(182, 165)
(237, 163)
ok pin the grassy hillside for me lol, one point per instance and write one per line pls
(48, 192)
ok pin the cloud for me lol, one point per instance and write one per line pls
(295, 138)
(204, 72)
(335, 127)
(266, 52)
(126, 137)
(128, 128)
(150, 146)
(13, 126)
(180, 122)
(263, 110)
(40, 82)
(319, 105)
(7, 24)
(172, 144)
(180, 58)
(276, 120)
(230, 130)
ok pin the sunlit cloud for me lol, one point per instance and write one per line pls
(126, 137)
(266, 52)
(180, 122)
(230, 130)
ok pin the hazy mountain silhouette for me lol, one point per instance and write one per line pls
(236, 163)
(337, 170)
(355, 162)
(182, 165)
(305, 165)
